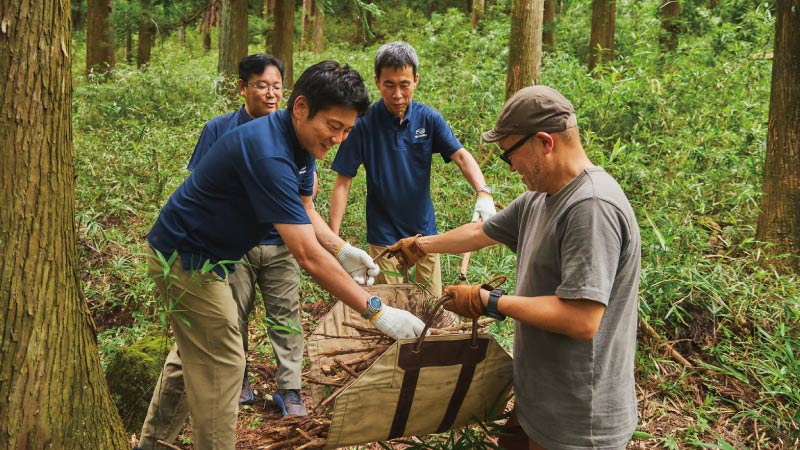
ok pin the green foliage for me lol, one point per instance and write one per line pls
(684, 133)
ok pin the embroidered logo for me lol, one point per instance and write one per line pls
(420, 133)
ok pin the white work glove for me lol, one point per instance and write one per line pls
(397, 323)
(484, 208)
(358, 264)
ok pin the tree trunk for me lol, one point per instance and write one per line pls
(99, 36)
(779, 220)
(232, 36)
(147, 31)
(77, 14)
(319, 28)
(128, 45)
(269, 11)
(601, 42)
(308, 14)
(283, 38)
(548, 41)
(525, 48)
(53, 393)
(670, 13)
(478, 10)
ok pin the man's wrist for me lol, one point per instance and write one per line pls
(485, 190)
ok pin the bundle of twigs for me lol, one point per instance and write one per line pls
(311, 432)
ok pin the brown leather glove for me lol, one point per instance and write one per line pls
(466, 300)
(407, 250)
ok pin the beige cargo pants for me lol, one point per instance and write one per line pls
(428, 272)
(208, 348)
(278, 276)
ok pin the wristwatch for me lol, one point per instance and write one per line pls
(485, 188)
(491, 307)
(374, 305)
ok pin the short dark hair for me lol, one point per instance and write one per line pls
(396, 55)
(328, 84)
(256, 64)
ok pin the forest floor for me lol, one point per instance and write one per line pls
(660, 414)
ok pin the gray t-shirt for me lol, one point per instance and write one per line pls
(581, 243)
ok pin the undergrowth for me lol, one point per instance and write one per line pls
(683, 132)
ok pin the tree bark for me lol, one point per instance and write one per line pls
(232, 36)
(779, 220)
(478, 11)
(548, 41)
(269, 11)
(319, 28)
(283, 38)
(99, 36)
(53, 393)
(525, 46)
(77, 15)
(601, 42)
(147, 31)
(308, 14)
(670, 13)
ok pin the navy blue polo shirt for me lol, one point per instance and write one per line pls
(251, 178)
(212, 131)
(397, 157)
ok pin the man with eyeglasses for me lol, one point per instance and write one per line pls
(256, 178)
(396, 142)
(269, 265)
(578, 261)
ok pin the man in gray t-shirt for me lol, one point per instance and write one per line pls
(578, 259)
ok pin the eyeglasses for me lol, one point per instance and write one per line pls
(263, 87)
(506, 156)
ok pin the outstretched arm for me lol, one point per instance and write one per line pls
(484, 205)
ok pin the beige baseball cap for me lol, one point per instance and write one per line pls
(530, 110)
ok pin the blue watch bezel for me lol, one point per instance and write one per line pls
(374, 304)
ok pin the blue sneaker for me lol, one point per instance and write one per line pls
(246, 397)
(290, 402)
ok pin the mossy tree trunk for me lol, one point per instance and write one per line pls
(307, 26)
(232, 36)
(99, 36)
(779, 220)
(525, 46)
(478, 11)
(549, 24)
(53, 393)
(670, 13)
(147, 32)
(319, 27)
(283, 39)
(601, 41)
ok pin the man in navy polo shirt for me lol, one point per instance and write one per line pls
(269, 264)
(251, 179)
(395, 142)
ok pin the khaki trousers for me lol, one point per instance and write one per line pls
(277, 274)
(428, 270)
(208, 347)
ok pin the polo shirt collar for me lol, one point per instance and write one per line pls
(386, 115)
(285, 118)
(242, 117)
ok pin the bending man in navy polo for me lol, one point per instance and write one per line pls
(251, 179)
(269, 265)
(396, 141)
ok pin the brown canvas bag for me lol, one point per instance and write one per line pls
(418, 386)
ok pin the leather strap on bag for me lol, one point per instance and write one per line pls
(415, 356)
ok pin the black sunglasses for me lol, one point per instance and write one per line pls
(506, 156)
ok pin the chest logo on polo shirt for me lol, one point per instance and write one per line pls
(420, 133)
(303, 170)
